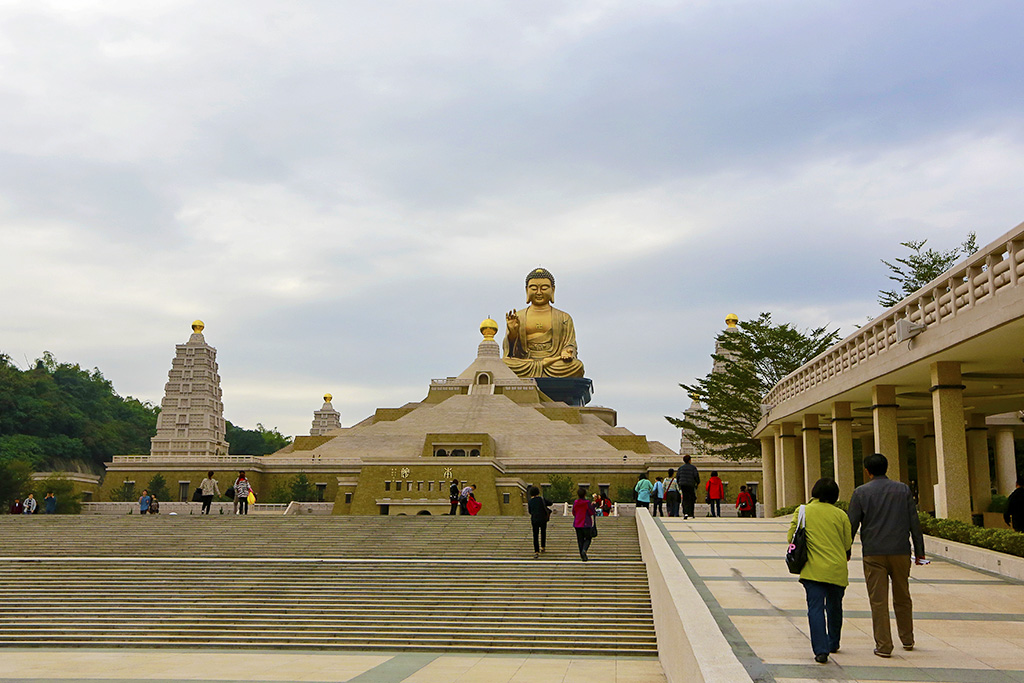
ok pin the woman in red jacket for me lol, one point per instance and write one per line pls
(716, 492)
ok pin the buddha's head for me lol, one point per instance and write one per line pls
(540, 287)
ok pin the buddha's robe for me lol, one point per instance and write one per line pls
(524, 358)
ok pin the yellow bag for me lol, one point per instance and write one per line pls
(251, 498)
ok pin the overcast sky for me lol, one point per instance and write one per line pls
(343, 190)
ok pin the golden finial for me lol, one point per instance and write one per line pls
(197, 326)
(327, 398)
(731, 320)
(489, 328)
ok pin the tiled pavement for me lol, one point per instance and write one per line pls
(969, 625)
(97, 665)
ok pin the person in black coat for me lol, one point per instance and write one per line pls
(688, 478)
(539, 513)
(453, 496)
(1014, 515)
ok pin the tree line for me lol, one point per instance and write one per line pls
(60, 417)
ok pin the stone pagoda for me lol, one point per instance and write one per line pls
(191, 421)
(326, 419)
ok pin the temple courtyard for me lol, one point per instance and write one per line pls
(315, 601)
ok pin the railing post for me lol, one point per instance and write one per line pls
(1011, 257)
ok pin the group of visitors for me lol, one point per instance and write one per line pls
(241, 492)
(680, 490)
(463, 500)
(885, 513)
(30, 505)
(585, 511)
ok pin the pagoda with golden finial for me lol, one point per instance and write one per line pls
(191, 421)
(325, 420)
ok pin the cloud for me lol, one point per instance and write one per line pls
(343, 191)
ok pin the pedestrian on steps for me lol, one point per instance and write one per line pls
(453, 497)
(688, 478)
(242, 489)
(745, 503)
(825, 576)
(643, 490)
(716, 492)
(672, 494)
(144, 502)
(540, 513)
(464, 499)
(583, 512)
(658, 497)
(210, 488)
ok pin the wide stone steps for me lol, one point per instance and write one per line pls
(218, 536)
(456, 584)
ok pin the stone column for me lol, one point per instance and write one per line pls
(792, 482)
(1006, 461)
(924, 445)
(883, 413)
(904, 457)
(977, 463)
(812, 453)
(778, 468)
(953, 490)
(768, 500)
(842, 448)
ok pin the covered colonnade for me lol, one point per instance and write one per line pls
(944, 368)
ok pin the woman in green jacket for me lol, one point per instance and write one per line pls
(825, 576)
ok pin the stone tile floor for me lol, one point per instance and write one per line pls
(969, 624)
(61, 665)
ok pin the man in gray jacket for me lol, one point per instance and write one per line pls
(886, 514)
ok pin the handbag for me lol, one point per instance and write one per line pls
(251, 498)
(593, 530)
(197, 496)
(796, 554)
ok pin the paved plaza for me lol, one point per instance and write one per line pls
(172, 665)
(969, 625)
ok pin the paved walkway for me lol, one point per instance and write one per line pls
(969, 625)
(96, 665)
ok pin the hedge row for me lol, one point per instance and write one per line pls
(790, 509)
(1000, 540)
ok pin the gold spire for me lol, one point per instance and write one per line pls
(731, 320)
(489, 328)
(197, 326)
(327, 398)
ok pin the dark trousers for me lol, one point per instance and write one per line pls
(455, 506)
(463, 506)
(689, 500)
(643, 504)
(746, 513)
(672, 498)
(824, 615)
(541, 529)
(583, 540)
(658, 509)
(243, 506)
(716, 506)
(206, 505)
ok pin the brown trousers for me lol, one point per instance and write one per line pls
(878, 571)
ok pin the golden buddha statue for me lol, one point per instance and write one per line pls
(540, 340)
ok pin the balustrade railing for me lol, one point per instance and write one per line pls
(997, 269)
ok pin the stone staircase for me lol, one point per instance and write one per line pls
(384, 583)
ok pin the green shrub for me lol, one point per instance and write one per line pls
(1000, 540)
(790, 509)
(998, 504)
(562, 489)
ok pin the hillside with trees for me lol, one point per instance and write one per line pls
(59, 417)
